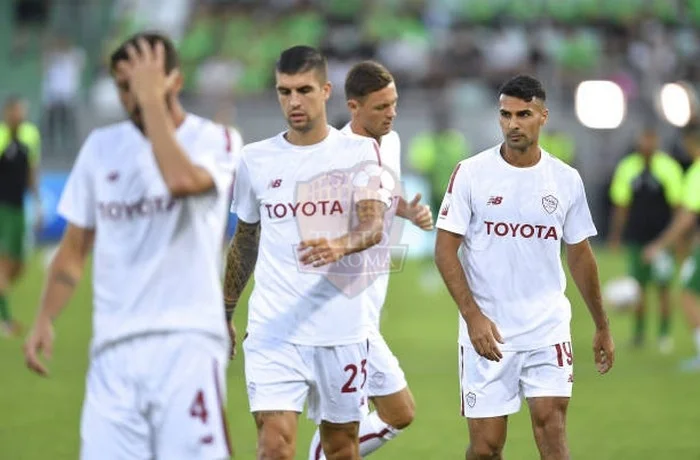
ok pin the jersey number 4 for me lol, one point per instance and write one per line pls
(198, 409)
(349, 385)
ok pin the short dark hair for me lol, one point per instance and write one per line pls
(300, 59)
(365, 78)
(172, 60)
(523, 87)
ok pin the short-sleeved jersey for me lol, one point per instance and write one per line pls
(289, 189)
(650, 190)
(513, 221)
(691, 188)
(390, 149)
(157, 259)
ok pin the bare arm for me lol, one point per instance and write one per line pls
(65, 271)
(150, 85)
(584, 271)
(448, 264)
(181, 176)
(240, 262)
(483, 332)
(617, 225)
(681, 224)
(367, 233)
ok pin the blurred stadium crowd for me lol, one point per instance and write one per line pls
(456, 51)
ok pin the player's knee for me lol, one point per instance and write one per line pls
(484, 450)
(16, 272)
(399, 417)
(550, 423)
(275, 446)
(340, 441)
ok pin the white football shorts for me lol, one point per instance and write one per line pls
(493, 389)
(385, 374)
(157, 396)
(282, 376)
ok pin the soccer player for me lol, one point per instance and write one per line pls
(306, 338)
(509, 208)
(646, 188)
(684, 222)
(371, 96)
(149, 197)
(20, 154)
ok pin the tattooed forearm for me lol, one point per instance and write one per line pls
(240, 263)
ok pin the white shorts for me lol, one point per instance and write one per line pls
(385, 374)
(159, 396)
(493, 389)
(281, 376)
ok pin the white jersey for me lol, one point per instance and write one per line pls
(390, 149)
(281, 186)
(156, 264)
(513, 221)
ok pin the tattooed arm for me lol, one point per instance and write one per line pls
(240, 262)
(367, 233)
(64, 273)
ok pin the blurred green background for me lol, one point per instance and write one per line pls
(644, 409)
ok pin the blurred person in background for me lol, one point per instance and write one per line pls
(645, 190)
(20, 154)
(63, 67)
(685, 222)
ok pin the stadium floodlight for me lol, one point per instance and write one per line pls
(600, 104)
(676, 104)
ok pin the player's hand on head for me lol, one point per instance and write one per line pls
(145, 69)
(485, 336)
(603, 350)
(39, 341)
(320, 251)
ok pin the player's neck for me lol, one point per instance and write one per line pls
(521, 158)
(358, 129)
(314, 136)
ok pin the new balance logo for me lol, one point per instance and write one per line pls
(571, 378)
(494, 200)
(276, 183)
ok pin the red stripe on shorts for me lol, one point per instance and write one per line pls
(224, 423)
(461, 374)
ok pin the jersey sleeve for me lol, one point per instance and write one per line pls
(215, 153)
(578, 223)
(691, 189)
(77, 204)
(621, 186)
(455, 211)
(244, 202)
(673, 182)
